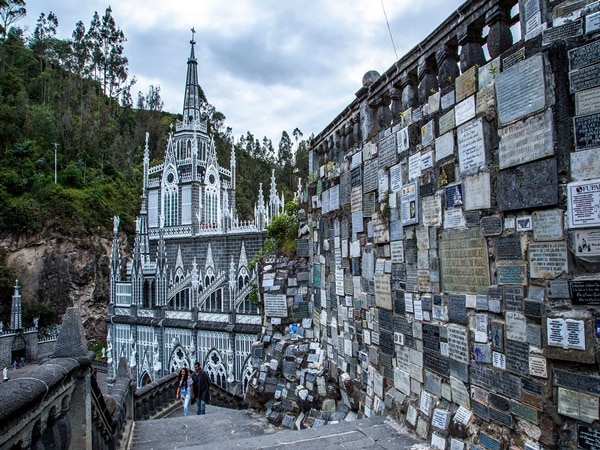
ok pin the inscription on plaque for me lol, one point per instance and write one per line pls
(447, 100)
(466, 84)
(370, 178)
(566, 31)
(527, 186)
(547, 225)
(587, 131)
(585, 292)
(501, 418)
(584, 56)
(356, 176)
(457, 308)
(517, 357)
(483, 376)
(436, 363)
(521, 90)
(588, 438)
(509, 248)
(588, 101)
(303, 248)
(463, 260)
(471, 146)
(387, 151)
(533, 308)
(481, 410)
(458, 344)
(431, 337)
(509, 385)
(585, 164)
(526, 140)
(446, 122)
(577, 382)
(511, 274)
(513, 298)
(547, 259)
(585, 78)
(491, 226)
(444, 146)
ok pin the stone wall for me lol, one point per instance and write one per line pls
(454, 231)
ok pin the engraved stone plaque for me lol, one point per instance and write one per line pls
(471, 146)
(457, 308)
(466, 83)
(562, 32)
(446, 122)
(464, 110)
(436, 363)
(387, 151)
(530, 185)
(509, 248)
(370, 179)
(463, 260)
(481, 410)
(447, 100)
(513, 298)
(588, 101)
(585, 164)
(444, 146)
(585, 292)
(585, 78)
(427, 133)
(477, 192)
(521, 90)
(491, 226)
(458, 343)
(577, 382)
(509, 385)
(511, 274)
(517, 357)
(588, 438)
(431, 337)
(526, 140)
(547, 259)
(548, 225)
(587, 131)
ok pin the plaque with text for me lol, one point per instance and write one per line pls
(548, 225)
(585, 55)
(521, 90)
(588, 438)
(587, 131)
(275, 305)
(585, 292)
(491, 226)
(585, 164)
(370, 178)
(585, 78)
(444, 146)
(447, 100)
(511, 274)
(471, 146)
(581, 198)
(547, 259)
(509, 248)
(588, 101)
(562, 32)
(517, 357)
(446, 122)
(530, 185)
(387, 151)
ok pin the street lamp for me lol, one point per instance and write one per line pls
(55, 151)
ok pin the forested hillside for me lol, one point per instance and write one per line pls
(72, 135)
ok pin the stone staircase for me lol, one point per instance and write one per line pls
(223, 428)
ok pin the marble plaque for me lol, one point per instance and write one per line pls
(431, 337)
(576, 381)
(509, 248)
(547, 259)
(458, 343)
(436, 363)
(427, 133)
(463, 260)
(431, 210)
(483, 376)
(513, 58)
(588, 438)
(409, 204)
(477, 192)
(581, 198)
(501, 418)
(446, 122)
(444, 146)
(585, 55)
(592, 22)
(548, 225)
(538, 366)
(491, 226)
(517, 357)
(460, 395)
(370, 178)
(356, 177)
(531, 185)
(521, 410)
(457, 308)
(587, 102)
(511, 274)
(513, 298)
(345, 188)
(509, 385)
(585, 78)
(526, 140)
(516, 326)
(587, 131)
(396, 178)
(387, 151)
(471, 146)
(562, 32)
(585, 292)
(275, 305)
(403, 140)
(578, 405)
(585, 165)
(558, 289)
(521, 90)
(466, 83)
(447, 100)
(464, 111)
(481, 410)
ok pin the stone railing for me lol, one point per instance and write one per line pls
(155, 398)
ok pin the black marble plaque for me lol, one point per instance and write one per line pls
(472, 218)
(401, 325)
(499, 402)
(509, 385)
(587, 131)
(387, 151)
(527, 186)
(480, 410)
(426, 303)
(562, 32)
(345, 189)
(584, 56)
(426, 189)
(386, 342)
(517, 357)
(399, 302)
(459, 370)
(585, 292)
(483, 376)
(511, 60)
(513, 298)
(501, 418)
(385, 319)
(457, 308)
(303, 248)
(577, 382)
(585, 78)
(436, 363)
(588, 438)
(410, 246)
(431, 337)
(497, 334)
(509, 248)
(370, 179)
(356, 176)
(532, 386)
(533, 308)
(491, 226)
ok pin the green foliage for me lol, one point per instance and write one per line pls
(283, 229)
(47, 314)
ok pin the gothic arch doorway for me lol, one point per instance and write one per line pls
(178, 360)
(145, 379)
(216, 369)
(18, 349)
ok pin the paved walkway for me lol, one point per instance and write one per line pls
(223, 428)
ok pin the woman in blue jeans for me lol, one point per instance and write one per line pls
(184, 389)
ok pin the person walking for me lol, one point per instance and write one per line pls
(184, 389)
(200, 388)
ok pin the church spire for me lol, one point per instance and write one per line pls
(192, 101)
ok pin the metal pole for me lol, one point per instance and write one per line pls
(55, 165)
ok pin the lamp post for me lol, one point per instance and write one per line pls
(55, 165)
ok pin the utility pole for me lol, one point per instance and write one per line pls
(55, 151)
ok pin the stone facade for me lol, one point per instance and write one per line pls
(184, 295)
(455, 271)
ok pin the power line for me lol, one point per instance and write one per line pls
(389, 29)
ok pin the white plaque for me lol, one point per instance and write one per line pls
(275, 305)
(586, 242)
(414, 166)
(471, 146)
(499, 360)
(444, 146)
(396, 178)
(431, 210)
(538, 366)
(409, 205)
(402, 140)
(578, 405)
(454, 218)
(585, 165)
(587, 102)
(476, 190)
(583, 203)
(427, 160)
(516, 326)
(548, 225)
(464, 110)
(460, 395)
(547, 259)
(566, 333)
(463, 415)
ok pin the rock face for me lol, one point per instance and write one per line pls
(62, 272)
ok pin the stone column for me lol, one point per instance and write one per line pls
(447, 61)
(428, 82)
(408, 81)
(384, 115)
(472, 51)
(499, 38)
(396, 104)
(355, 133)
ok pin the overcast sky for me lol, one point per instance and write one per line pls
(268, 65)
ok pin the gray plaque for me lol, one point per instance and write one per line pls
(345, 188)
(509, 248)
(447, 100)
(491, 226)
(531, 185)
(548, 225)
(517, 357)
(514, 58)
(533, 308)
(524, 411)
(513, 298)
(356, 176)
(521, 90)
(587, 131)
(585, 78)
(586, 102)
(584, 56)
(577, 382)
(562, 32)
(483, 376)
(501, 418)
(457, 308)
(446, 122)
(479, 409)
(302, 248)
(370, 178)
(557, 289)
(387, 151)
(532, 386)
(471, 146)
(499, 402)
(509, 385)
(436, 363)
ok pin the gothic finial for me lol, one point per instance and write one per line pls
(193, 33)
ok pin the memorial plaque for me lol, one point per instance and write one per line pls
(513, 298)
(581, 198)
(577, 405)
(491, 226)
(387, 151)
(514, 58)
(530, 185)
(345, 188)
(458, 343)
(509, 385)
(585, 78)
(453, 196)
(431, 337)
(477, 192)
(521, 90)
(531, 386)
(547, 259)
(524, 411)
(464, 262)
(577, 382)
(587, 102)
(409, 204)
(466, 83)
(497, 334)
(516, 326)
(370, 179)
(483, 376)
(562, 32)
(588, 438)
(457, 308)
(447, 100)
(275, 305)
(480, 410)
(356, 176)
(533, 308)
(471, 146)
(517, 357)
(464, 110)
(534, 334)
(532, 400)
(417, 114)
(526, 140)
(427, 133)
(446, 122)
(511, 274)
(431, 210)
(436, 363)
(585, 292)
(548, 225)
(444, 146)
(592, 22)
(587, 131)
(303, 248)
(509, 248)
(585, 165)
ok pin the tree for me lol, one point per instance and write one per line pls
(10, 12)
(43, 37)
(284, 155)
(80, 50)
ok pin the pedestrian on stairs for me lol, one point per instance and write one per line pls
(184, 389)
(200, 388)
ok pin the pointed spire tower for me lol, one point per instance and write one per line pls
(192, 102)
(16, 311)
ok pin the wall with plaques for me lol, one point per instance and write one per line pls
(456, 241)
